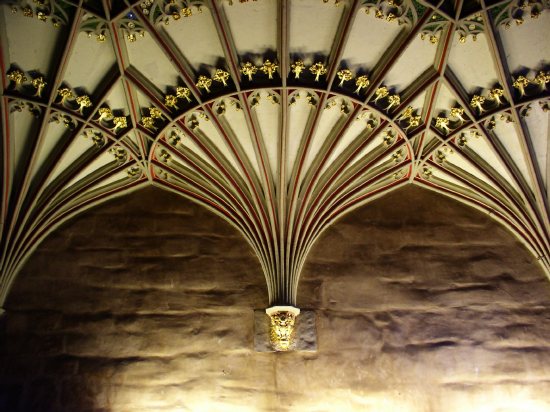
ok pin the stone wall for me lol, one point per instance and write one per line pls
(146, 304)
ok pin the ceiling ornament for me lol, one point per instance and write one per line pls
(409, 120)
(20, 105)
(96, 137)
(401, 11)
(433, 28)
(54, 11)
(249, 70)
(470, 27)
(515, 11)
(297, 68)
(534, 85)
(63, 118)
(31, 84)
(318, 69)
(278, 136)
(162, 11)
(107, 119)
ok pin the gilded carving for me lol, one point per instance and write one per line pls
(39, 85)
(119, 153)
(409, 117)
(23, 82)
(371, 120)
(414, 121)
(458, 113)
(361, 82)
(269, 68)
(66, 95)
(17, 77)
(171, 101)
(477, 103)
(445, 125)
(380, 93)
(393, 100)
(71, 101)
(83, 103)
(161, 11)
(297, 68)
(442, 123)
(249, 70)
(148, 122)
(407, 113)
(470, 27)
(120, 123)
(43, 10)
(221, 76)
(520, 83)
(183, 93)
(95, 27)
(318, 69)
(496, 94)
(273, 98)
(344, 75)
(433, 28)
(311, 99)
(530, 86)
(155, 113)
(96, 136)
(491, 123)
(105, 114)
(401, 11)
(204, 82)
(541, 80)
(281, 331)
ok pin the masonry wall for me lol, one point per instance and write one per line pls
(146, 304)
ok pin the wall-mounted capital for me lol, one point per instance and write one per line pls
(281, 330)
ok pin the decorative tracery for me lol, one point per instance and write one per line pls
(279, 144)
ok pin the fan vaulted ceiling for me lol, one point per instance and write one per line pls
(279, 116)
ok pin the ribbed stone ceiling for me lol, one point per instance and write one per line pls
(279, 116)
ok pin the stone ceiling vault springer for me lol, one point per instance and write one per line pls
(279, 116)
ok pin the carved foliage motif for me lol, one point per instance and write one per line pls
(516, 10)
(30, 84)
(401, 11)
(162, 11)
(54, 11)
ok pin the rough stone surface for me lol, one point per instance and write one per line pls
(147, 304)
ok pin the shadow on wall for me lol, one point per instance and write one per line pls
(129, 294)
(146, 304)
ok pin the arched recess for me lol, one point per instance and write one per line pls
(420, 243)
(391, 331)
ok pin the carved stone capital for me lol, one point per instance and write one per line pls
(281, 330)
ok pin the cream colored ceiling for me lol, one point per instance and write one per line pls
(281, 154)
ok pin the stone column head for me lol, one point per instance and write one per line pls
(281, 330)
